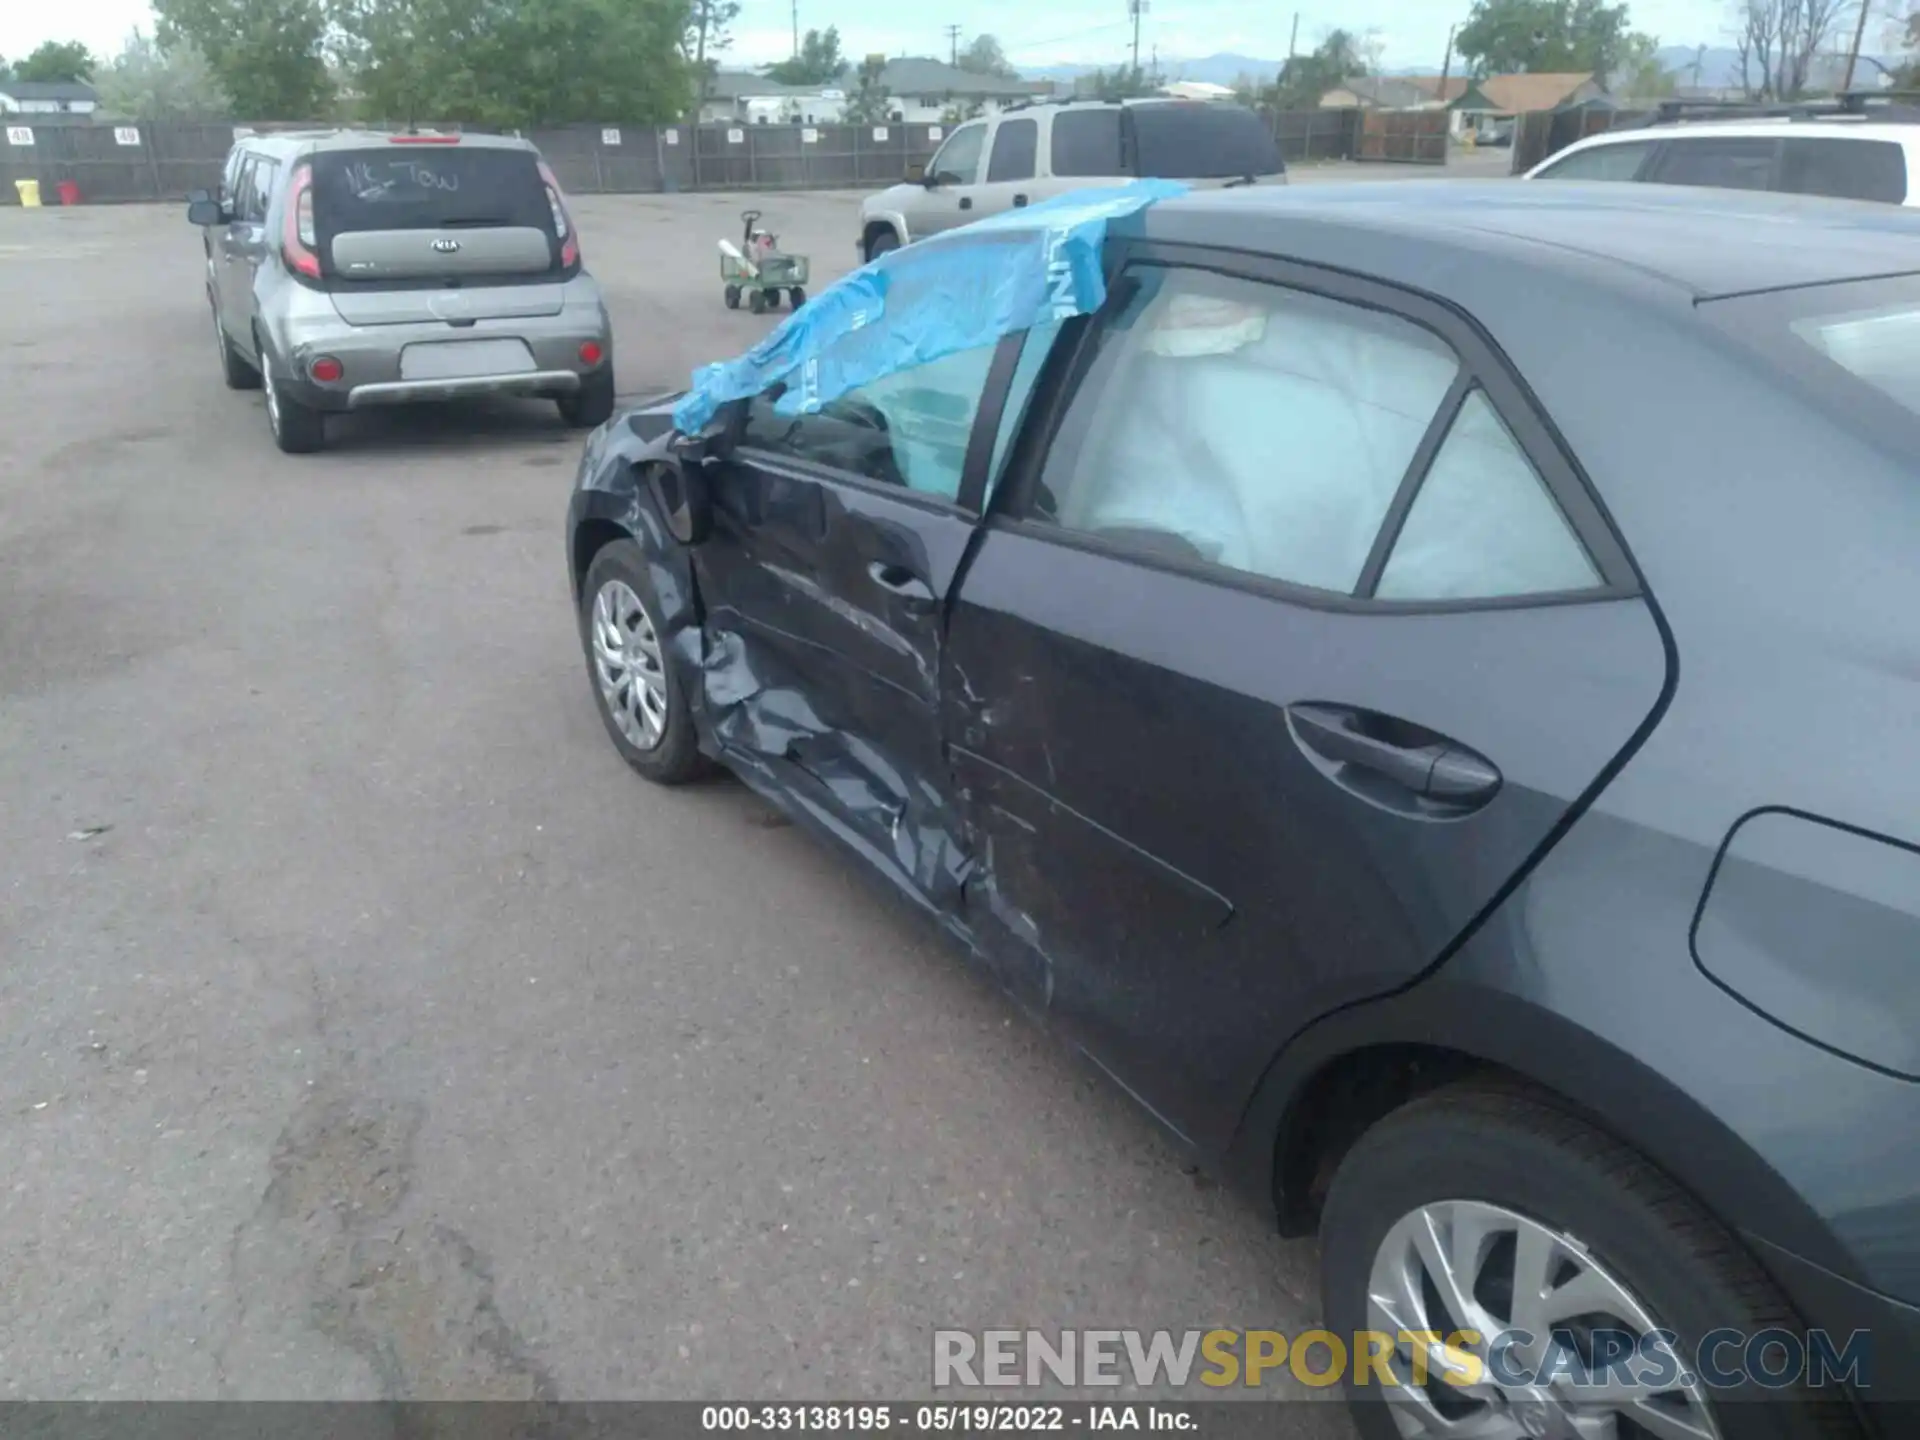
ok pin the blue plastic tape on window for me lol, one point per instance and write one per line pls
(958, 290)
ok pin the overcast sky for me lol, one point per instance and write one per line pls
(1414, 32)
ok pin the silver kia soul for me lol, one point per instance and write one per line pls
(351, 268)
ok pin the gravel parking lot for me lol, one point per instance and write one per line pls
(368, 1030)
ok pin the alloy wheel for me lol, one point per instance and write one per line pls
(628, 664)
(1554, 1314)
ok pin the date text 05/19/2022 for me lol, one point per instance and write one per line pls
(882, 1418)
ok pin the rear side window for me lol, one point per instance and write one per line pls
(1267, 430)
(1602, 162)
(1015, 145)
(1733, 163)
(427, 187)
(1086, 142)
(1201, 141)
(1845, 169)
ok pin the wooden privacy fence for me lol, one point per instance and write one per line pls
(1546, 132)
(163, 160)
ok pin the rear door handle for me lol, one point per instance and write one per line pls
(899, 580)
(1416, 760)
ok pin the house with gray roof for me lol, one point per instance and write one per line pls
(47, 97)
(922, 90)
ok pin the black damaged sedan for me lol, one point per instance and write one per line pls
(1423, 689)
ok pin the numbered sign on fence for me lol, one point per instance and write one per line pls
(934, 132)
(809, 136)
(19, 135)
(880, 134)
(736, 137)
(609, 136)
(126, 134)
(673, 137)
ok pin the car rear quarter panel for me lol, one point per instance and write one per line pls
(1777, 546)
(1778, 543)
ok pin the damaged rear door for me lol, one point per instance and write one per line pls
(836, 539)
(1298, 640)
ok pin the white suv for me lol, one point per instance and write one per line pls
(1030, 153)
(1837, 156)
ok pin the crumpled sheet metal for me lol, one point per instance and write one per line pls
(955, 291)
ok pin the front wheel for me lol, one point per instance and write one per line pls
(592, 403)
(636, 683)
(757, 302)
(1563, 1256)
(732, 296)
(796, 297)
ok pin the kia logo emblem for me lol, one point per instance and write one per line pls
(446, 247)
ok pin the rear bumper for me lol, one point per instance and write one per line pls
(370, 355)
(406, 392)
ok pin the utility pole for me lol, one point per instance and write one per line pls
(1446, 65)
(953, 44)
(1136, 8)
(796, 29)
(1853, 55)
(1293, 39)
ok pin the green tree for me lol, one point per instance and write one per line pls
(513, 64)
(149, 81)
(56, 61)
(818, 62)
(869, 102)
(1641, 75)
(1305, 78)
(1123, 82)
(1565, 36)
(268, 55)
(705, 34)
(983, 56)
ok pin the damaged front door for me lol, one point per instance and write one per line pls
(836, 539)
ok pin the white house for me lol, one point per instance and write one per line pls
(41, 97)
(921, 91)
(743, 97)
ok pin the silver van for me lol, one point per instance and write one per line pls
(1027, 153)
(350, 268)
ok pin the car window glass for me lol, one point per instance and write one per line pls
(428, 188)
(1201, 140)
(909, 428)
(230, 178)
(1086, 142)
(1035, 346)
(958, 161)
(259, 191)
(1483, 523)
(1602, 162)
(1845, 169)
(1246, 425)
(1729, 164)
(1015, 146)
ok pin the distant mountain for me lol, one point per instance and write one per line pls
(1717, 67)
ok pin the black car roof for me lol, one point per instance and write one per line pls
(1706, 243)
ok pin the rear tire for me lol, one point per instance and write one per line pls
(297, 429)
(757, 302)
(732, 296)
(796, 297)
(592, 403)
(634, 653)
(1494, 1162)
(234, 369)
(881, 244)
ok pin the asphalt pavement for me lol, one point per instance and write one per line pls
(368, 1030)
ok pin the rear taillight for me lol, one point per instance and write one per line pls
(562, 224)
(297, 235)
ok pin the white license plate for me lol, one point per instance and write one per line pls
(462, 359)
